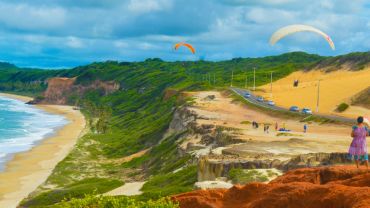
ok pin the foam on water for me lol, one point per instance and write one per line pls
(22, 126)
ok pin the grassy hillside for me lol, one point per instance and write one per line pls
(362, 99)
(135, 118)
(353, 61)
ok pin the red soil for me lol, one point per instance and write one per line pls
(327, 187)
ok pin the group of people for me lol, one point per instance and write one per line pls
(358, 148)
(266, 127)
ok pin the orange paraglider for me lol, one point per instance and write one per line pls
(190, 47)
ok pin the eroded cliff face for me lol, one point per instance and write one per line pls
(338, 186)
(61, 88)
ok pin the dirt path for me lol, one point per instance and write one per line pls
(129, 189)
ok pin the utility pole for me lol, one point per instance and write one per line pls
(232, 77)
(246, 81)
(318, 96)
(214, 79)
(271, 87)
(254, 78)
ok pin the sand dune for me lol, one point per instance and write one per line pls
(335, 87)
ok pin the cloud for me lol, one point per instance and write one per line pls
(69, 33)
(143, 6)
(25, 17)
(74, 42)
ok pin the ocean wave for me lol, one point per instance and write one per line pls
(23, 125)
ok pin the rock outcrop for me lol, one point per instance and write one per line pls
(61, 88)
(336, 186)
(211, 167)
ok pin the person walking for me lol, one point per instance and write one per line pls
(276, 126)
(358, 147)
(305, 127)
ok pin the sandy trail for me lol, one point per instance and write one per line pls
(335, 88)
(222, 111)
(128, 189)
(27, 170)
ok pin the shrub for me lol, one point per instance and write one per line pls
(241, 176)
(342, 107)
(91, 201)
(76, 190)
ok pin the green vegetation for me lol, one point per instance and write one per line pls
(288, 134)
(362, 98)
(242, 176)
(342, 107)
(245, 122)
(74, 190)
(355, 61)
(92, 201)
(171, 183)
(135, 118)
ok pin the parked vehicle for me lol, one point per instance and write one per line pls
(260, 99)
(247, 95)
(307, 111)
(271, 103)
(294, 109)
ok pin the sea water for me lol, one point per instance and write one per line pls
(22, 126)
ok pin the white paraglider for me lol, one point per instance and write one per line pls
(284, 31)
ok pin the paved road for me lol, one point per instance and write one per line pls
(253, 99)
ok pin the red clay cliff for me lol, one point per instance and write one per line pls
(327, 187)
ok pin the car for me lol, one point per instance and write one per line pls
(247, 95)
(260, 99)
(294, 108)
(271, 103)
(307, 111)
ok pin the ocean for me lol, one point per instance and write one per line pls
(22, 126)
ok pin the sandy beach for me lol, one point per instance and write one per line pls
(27, 170)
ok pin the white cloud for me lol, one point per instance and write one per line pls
(74, 42)
(27, 17)
(120, 44)
(264, 15)
(144, 6)
(146, 46)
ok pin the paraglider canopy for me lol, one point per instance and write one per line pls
(190, 47)
(285, 31)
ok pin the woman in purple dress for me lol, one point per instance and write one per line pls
(358, 148)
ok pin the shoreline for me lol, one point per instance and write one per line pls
(27, 170)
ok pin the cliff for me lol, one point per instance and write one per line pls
(337, 186)
(60, 89)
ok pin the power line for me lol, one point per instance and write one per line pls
(271, 87)
(232, 77)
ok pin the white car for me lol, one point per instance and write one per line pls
(307, 111)
(260, 99)
(271, 103)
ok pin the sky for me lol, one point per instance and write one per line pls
(68, 33)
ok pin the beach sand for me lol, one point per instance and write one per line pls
(27, 170)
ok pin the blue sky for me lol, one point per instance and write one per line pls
(67, 33)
